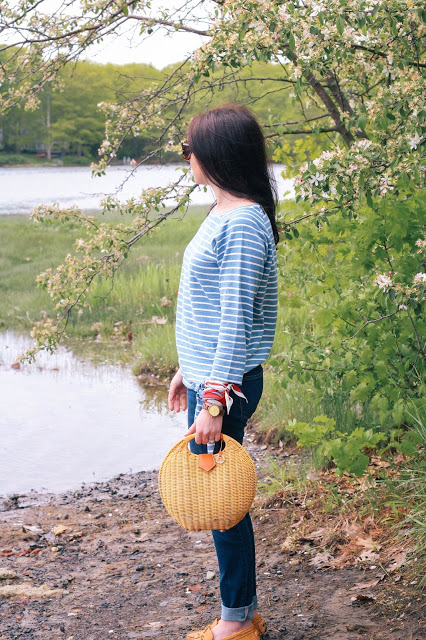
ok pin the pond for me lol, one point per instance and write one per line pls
(65, 420)
(22, 188)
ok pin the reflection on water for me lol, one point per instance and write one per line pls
(65, 420)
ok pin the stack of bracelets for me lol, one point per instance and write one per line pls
(218, 393)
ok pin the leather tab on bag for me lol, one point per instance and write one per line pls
(206, 461)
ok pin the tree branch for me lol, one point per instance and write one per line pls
(176, 25)
(285, 124)
(371, 322)
(322, 93)
(384, 55)
(419, 344)
(302, 131)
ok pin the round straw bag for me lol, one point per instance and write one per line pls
(207, 491)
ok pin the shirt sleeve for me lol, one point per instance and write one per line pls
(241, 253)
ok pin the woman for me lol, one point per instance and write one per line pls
(226, 317)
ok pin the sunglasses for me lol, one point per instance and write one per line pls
(186, 151)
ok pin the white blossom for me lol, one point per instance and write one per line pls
(383, 281)
(317, 178)
(414, 141)
(419, 277)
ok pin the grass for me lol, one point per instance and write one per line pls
(150, 273)
(144, 292)
(284, 477)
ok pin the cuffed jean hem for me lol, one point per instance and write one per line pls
(239, 614)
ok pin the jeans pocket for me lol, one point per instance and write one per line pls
(252, 390)
(254, 374)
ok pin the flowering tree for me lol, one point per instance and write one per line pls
(354, 69)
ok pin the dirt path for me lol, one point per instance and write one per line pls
(114, 565)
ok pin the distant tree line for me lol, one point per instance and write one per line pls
(69, 122)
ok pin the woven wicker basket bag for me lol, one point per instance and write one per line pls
(217, 496)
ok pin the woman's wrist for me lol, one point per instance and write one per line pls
(217, 391)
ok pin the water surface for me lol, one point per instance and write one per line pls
(22, 188)
(65, 420)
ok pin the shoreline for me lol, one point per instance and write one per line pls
(106, 560)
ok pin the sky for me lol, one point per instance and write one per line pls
(159, 49)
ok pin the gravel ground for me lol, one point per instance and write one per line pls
(107, 561)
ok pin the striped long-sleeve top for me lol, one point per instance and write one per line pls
(227, 301)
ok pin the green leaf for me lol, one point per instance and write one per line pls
(291, 42)
(340, 24)
(362, 122)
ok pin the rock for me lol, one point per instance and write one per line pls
(32, 529)
(210, 575)
(59, 529)
(27, 589)
(7, 574)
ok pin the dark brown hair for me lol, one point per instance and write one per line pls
(229, 145)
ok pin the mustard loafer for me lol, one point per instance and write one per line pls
(251, 633)
(258, 623)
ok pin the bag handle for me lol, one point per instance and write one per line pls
(191, 436)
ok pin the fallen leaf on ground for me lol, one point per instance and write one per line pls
(315, 535)
(362, 597)
(321, 560)
(398, 561)
(368, 543)
(365, 585)
(368, 556)
(286, 545)
(351, 528)
(376, 461)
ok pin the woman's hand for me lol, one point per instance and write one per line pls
(206, 428)
(177, 393)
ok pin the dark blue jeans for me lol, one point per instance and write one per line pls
(234, 547)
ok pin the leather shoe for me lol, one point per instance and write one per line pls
(257, 621)
(251, 633)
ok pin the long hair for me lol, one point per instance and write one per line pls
(229, 145)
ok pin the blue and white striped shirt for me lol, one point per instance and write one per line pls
(227, 301)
